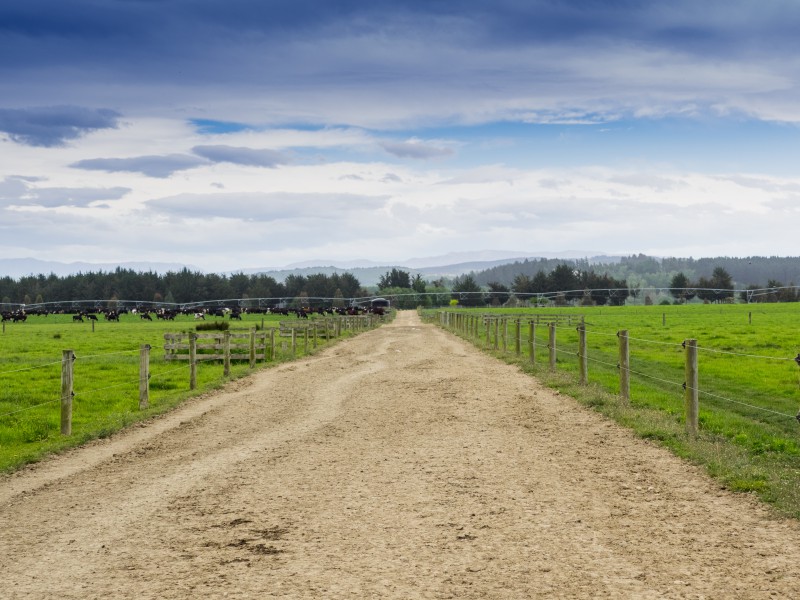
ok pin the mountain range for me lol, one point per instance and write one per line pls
(366, 271)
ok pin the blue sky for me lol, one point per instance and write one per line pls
(253, 133)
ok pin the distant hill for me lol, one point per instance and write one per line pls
(23, 267)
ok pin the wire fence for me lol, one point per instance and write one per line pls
(492, 331)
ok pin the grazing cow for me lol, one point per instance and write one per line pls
(91, 317)
(145, 316)
(77, 318)
(199, 315)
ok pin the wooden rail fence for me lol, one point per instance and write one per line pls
(251, 345)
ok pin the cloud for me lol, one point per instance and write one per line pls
(416, 149)
(55, 125)
(278, 206)
(248, 157)
(152, 166)
(16, 191)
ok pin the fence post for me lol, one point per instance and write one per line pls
(144, 376)
(192, 360)
(226, 353)
(252, 348)
(552, 344)
(624, 366)
(583, 355)
(67, 360)
(497, 333)
(488, 331)
(691, 394)
(272, 343)
(305, 340)
(532, 341)
(294, 340)
(518, 339)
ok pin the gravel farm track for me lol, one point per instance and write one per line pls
(403, 463)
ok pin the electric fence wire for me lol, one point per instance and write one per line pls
(705, 349)
(49, 364)
(635, 339)
(168, 371)
(77, 357)
(13, 412)
(109, 387)
(761, 408)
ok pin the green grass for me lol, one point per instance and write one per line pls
(749, 383)
(106, 378)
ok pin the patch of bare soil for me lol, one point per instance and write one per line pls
(400, 464)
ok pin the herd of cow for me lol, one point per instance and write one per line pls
(147, 314)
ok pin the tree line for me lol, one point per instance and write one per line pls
(647, 271)
(565, 282)
(177, 287)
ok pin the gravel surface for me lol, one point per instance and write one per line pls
(403, 463)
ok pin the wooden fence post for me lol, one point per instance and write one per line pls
(532, 341)
(144, 376)
(192, 360)
(67, 360)
(497, 333)
(294, 341)
(552, 344)
(692, 393)
(518, 337)
(583, 355)
(226, 353)
(272, 342)
(253, 348)
(488, 333)
(624, 366)
(305, 340)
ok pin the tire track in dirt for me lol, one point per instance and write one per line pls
(403, 463)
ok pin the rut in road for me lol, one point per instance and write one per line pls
(403, 463)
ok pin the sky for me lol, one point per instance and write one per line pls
(239, 134)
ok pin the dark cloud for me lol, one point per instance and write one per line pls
(55, 125)
(152, 166)
(386, 64)
(241, 156)
(418, 150)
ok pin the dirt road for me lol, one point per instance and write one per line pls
(400, 464)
